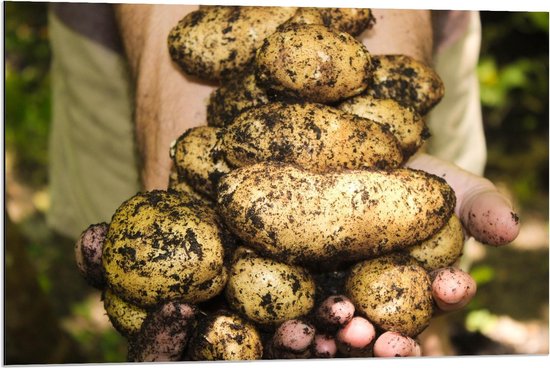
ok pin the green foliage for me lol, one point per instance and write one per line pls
(27, 89)
(513, 74)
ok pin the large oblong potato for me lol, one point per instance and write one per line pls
(404, 122)
(313, 136)
(393, 292)
(313, 63)
(297, 216)
(163, 246)
(214, 42)
(197, 159)
(406, 80)
(269, 292)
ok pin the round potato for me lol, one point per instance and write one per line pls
(125, 317)
(441, 250)
(406, 80)
(269, 292)
(404, 122)
(197, 159)
(314, 136)
(297, 216)
(178, 184)
(313, 63)
(163, 246)
(226, 336)
(393, 292)
(216, 42)
(350, 20)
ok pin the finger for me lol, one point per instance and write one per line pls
(324, 346)
(394, 344)
(292, 340)
(335, 311)
(452, 288)
(164, 334)
(355, 338)
(88, 253)
(486, 213)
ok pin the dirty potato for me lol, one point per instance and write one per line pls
(313, 63)
(125, 317)
(297, 216)
(441, 250)
(314, 136)
(233, 97)
(404, 122)
(197, 159)
(163, 246)
(214, 42)
(406, 80)
(269, 292)
(226, 336)
(350, 20)
(393, 292)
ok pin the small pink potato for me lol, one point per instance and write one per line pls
(324, 346)
(357, 334)
(164, 334)
(452, 288)
(88, 253)
(394, 344)
(336, 310)
(294, 335)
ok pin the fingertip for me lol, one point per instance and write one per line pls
(452, 289)
(294, 335)
(357, 334)
(324, 346)
(394, 344)
(336, 310)
(490, 219)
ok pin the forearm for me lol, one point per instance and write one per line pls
(407, 32)
(167, 102)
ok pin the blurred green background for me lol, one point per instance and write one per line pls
(53, 317)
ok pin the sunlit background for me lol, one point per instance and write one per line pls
(52, 316)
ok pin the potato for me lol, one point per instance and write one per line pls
(406, 80)
(297, 216)
(269, 292)
(181, 185)
(393, 292)
(441, 250)
(197, 159)
(351, 20)
(125, 317)
(234, 96)
(215, 42)
(404, 122)
(163, 246)
(314, 136)
(313, 63)
(226, 336)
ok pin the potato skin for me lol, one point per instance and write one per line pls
(350, 20)
(226, 336)
(233, 97)
(404, 122)
(313, 136)
(441, 250)
(197, 159)
(125, 317)
(393, 292)
(291, 214)
(269, 292)
(162, 246)
(406, 80)
(214, 42)
(313, 63)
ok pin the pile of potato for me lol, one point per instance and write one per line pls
(294, 190)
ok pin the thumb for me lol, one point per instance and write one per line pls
(485, 213)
